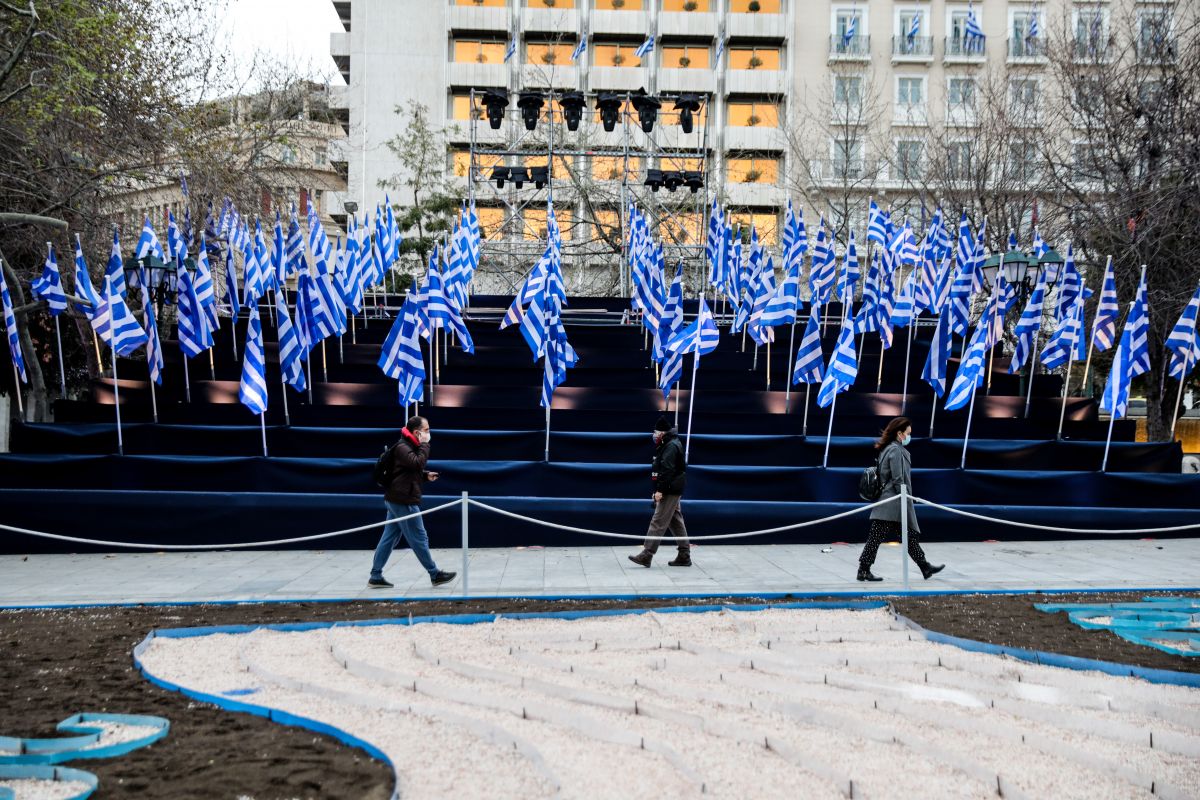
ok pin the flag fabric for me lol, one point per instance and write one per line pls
(914, 29)
(810, 361)
(49, 286)
(511, 50)
(905, 309)
(1184, 340)
(559, 354)
(231, 284)
(935, 369)
(970, 371)
(904, 245)
(645, 48)
(1070, 284)
(124, 334)
(759, 331)
(877, 225)
(1034, 31)
(191, 326)
(10, 326)
(1028, 325)
(206, 293)
(781, 308)
(318, 243)
(1040, 248)
(821, 274)
(154, 355)
(714, 239)
(850, 272)
(442, 310)
(580, 48)
(148, 244)
(83, 283)
(963, 287)
(850, 32)
(1065, 340)
(296, 261)
(252, 391)
(973, 36)
(176, 247)
(866, 320)
(672, 362)
(843, 367)
(720, 50)
(1104, 328)
(1138, 325)
(701, 337)
(291, 349)
(115, 269)
(1116, 392)
(401, 358)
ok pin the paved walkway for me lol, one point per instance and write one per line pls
(733, 569)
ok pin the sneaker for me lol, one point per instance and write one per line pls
(379, 583)
(442, 577)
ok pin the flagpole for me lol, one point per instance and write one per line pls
(1179, 400)
(341, 353)
(787, 392)
(879, 377)
(212, 366)
(933, 414)
(1088, 364)
(187, 381)
(769, 362)
(117, 403)
(1112, 418)
(1062, 414)
(153, 394)
(62, 370)
(287, 420)
(233, 332)
(804, 425)
(691, 404)
(829, 433)
(17, 391)
(967, 434)
(262, 419)
(324, 366)
(1033, 370)
(308, 377)
(912, 323)
(353, 330)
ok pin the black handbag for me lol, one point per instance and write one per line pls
(870, 485)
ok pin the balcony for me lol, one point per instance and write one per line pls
(1089, 51)
(1026, 51)
(339, 49)
(558, 76)
(857, 48)
(627, 23)
(964, 51)
(549, 20)
(756, 81)
(756, 195)
(338, 153)
(617, 79)
(764, 26)
(467, 75)
(469, 18)
(910, 115)
(840, 172)
(912, 48)
(694, 24)
(756, 138)
(961, 115)
(687, 80)
(338, 97)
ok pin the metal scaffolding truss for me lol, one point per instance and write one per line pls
(592, 210)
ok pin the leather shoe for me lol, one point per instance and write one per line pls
(643, 558)
(683, 559)
(442, 577)
(929, 570)
(866, 575)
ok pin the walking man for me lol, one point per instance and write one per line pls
(668, 475)
(402, 496)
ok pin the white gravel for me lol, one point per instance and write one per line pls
(43, 790)
(775, 703)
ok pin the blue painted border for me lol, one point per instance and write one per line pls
(73, 748)
(48, 773)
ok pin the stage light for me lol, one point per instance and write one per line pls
(686, 105)
(672, 179)
(654, 179)
(694, 180)
(519, 176)
(572, 104)
(495, 101)
(500, 175)
(531, 104)
(647, 110)
(609, 105)
(540, 176)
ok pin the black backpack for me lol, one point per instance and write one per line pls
(383, 467)
(870, 486)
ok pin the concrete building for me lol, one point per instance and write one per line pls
(786, 78)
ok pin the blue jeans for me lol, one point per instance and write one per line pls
(414, 533)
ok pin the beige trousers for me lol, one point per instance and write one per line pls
(667, 516)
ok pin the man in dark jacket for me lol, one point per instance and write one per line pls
(409, 456)
(669, 476)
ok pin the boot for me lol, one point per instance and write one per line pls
(929, 570)
(643, 558)
(683, 559)
(864, 574)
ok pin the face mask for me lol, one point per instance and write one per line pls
(904, 440)
(423, 437)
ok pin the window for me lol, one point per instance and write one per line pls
(1154, 34)
(912, 34)
(535, 223)
(491, 221)
(484, 3)
(756, 6)
(754, 58)
(958, 161)
(1085, 158)
(460, 108)
(614, 55)
(1089, 96)
(847, 90)
(847, 158)
(287, 154)
(460, 163)
(475, 51)
(1025, 34)
(849, 31)
(550, 3)
(562, 165)
(319, 156)
(763, 222)
(750, 115)
(759, 169)
(1022, 161)
(1091, 36)
(687, 5)
(908, 159)
(957, 41)
(548, 54)
(685, 57)
(618, 5)
(1022, 95)
(608, 168)
(910, 92)
(682, 229)
(960, 93)
(1148, 92)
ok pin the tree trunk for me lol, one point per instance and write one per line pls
(37, 401)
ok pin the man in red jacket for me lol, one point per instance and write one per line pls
(409, 456)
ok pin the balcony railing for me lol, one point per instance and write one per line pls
(838, 170)
(962, 48)
(1091, 49)
(1026, 48)
(912, 46)
(854, 47)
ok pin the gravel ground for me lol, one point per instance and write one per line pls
(730, 703)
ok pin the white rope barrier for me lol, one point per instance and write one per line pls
(1054, 528)
(642, 537)
(234, 546)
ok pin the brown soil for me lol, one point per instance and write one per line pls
(58, 662)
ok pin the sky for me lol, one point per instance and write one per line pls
(295, 31)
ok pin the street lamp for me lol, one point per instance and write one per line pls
(161, 278)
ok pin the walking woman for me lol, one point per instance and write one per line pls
(895, 468)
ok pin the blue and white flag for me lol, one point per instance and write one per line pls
(1040, 248)
(1070, 284)
(10, 327)
(973, 37)
(850, 32)
(154, 354)
(252, 391)
(1104, 329)
(914, 29)
(810, 360)
(1138, 325)
(1034, 30)
(971, 370)
(672, 362)
(401, 358)
(559, 354)
(191, 326)
(935, 369)
(1184, 340)
(1028, 325)
(176, 246)
(231, 284)
(843, 367)
(701, 337)
(645, 48)
(580, 48)
(1065, 341)
(115, 269)
(904, 245)
(296, 262)
(291, 349)
(877, 225)
(850, 273)
(511, 50)
(119, 329)
(1116, 392)
(148, 244)
(49, 286)
(714, 239)
(905, 309)
(765, 288)
(443, 313)
(83, 283)
(206, 292)
(822, 272)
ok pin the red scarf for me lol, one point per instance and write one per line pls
(407, 434)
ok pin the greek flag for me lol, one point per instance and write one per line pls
(940, 235)
(442, 311)
(934, 372)
(49, 286)
(672, 362)
(720, 50)
(318, 242)
(1070, 284)
(148, 244)
(904, 245)
(252, 391)
(278, 251)
(295, 247)
(645, 48)
(974, 37)
(1138, 325)
(850, 32)
(291, 349)
(192, 327)
(1028, 325)
(1034, 29)
(1116, 392)
(765, 287)
(810, 361)
(252, 277)
(352, 279)
(1066, 339)
(559, 355)
(712, 246)
(842, 370)
(124, 335)
(905, 311)
(795, 238)
(850, 273)
(701, 337)
(10, 326)
(781, 308)
(532, 287)
(401, 357)
(83, 283)
(512, 48)
(1104, 329)
(1040, 248)
(877, 225)
(325, 315)
(959, 308)
(970, 371)
(206, 293)
(115, 269)
(231, 284)
(822, 272)
(914, 29)
(154, 356)
(175, 242)
(580, 48)
(396, 238)
(925, 295)
(887, 301)
(1184, 340)
(866, 319)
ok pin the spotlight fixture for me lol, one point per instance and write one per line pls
(540, 176)
(609, 106)
(647, 110)
(672, 179)
(495, 101)
(687, 105)
(500, 175)
(519, 176)
(572, 104)
(654, 179)
(531, 104)
(694, 180)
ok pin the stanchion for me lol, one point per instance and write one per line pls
(466, 548)
(904, 533)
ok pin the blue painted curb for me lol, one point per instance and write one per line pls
(73, 748)
(374, 598)
(43, 772)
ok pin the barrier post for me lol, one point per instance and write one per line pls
(466, 551)
(904, 533)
